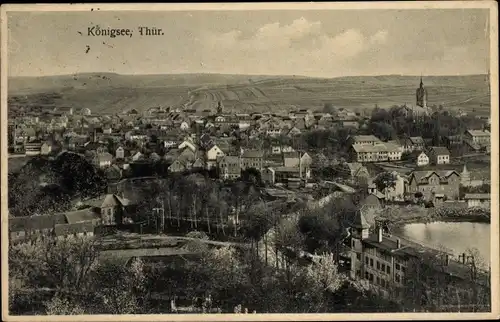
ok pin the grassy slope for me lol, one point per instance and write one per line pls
(113, 93)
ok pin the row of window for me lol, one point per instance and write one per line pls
(376, 280)
(400, 268)
(380, 266)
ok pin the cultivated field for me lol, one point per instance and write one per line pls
(112, 93)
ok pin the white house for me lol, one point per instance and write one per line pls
(184, 126)
(481, 200)
(86, 111)
(188, 144)
(214, 152)
(137, 156)
(120, 153)
(422, 159)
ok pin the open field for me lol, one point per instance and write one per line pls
(113, 93)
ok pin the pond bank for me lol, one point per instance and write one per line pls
(401, 216)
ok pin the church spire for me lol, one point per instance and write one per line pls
(421, 82)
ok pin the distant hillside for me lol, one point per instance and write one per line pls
(113, 93)
(27, 85)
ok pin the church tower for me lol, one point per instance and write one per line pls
(422, 95)
(465, 177)
(220, 108)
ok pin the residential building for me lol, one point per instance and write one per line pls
(214, 152)
(111, 207)
(363, 140)
(358, 171)
(479, 137)
(420, 158)
(429, 183)
(22, 229)
(283, 174)
(411, 144)
(46, 148)
(395, 193)
(452, 141)
(439, 155)
(268, 175)
(252, 159)
(394, 151)
(291, 159)
(369, 153)
(229, 167)
(33, 148)
(177, 166)
(189, 144)
(120, 153)
(102, 159)
(85, 111)
(481, 200)
(71, 231)
(387, 263)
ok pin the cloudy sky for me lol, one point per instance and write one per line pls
(323, 43)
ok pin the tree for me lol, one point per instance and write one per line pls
(328, 108)
(118, 288)
(385, 181)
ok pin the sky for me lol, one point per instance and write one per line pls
(326, 43)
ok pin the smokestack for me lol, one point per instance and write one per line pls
(379, 234)
(463, 258)
(447, 259)
(398, 243)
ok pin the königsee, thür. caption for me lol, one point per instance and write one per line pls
(123, 32)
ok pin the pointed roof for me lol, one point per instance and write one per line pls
(360, 221)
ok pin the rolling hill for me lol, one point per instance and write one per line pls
(113, 93)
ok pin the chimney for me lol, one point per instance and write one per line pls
(463, 258)
(447, 259)
(398, 243)
(379, 234)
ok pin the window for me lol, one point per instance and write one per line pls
(367, 276)
(388, 269)
(378, 265)
(397, 266)
(371, 262)
(398, 278)
(371, 277)
(352, 243)
(403, 269)
(383, 267)
(366, 260)
(358, 256)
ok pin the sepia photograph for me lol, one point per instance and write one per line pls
(229, 161)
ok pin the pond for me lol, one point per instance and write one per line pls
(456, 237)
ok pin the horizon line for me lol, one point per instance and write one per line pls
(250, 75)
